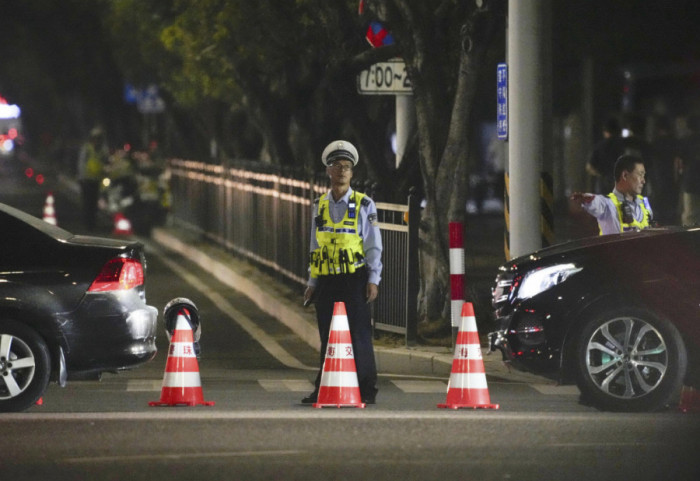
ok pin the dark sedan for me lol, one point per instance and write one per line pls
(71, 307)
(619, 315)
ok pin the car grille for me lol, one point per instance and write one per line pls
(501, 291)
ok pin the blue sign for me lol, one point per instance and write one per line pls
(502, 96)
(131, 94)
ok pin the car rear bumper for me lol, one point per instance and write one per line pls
(97, 341)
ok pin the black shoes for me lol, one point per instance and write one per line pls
(311, 398)
(369, 397)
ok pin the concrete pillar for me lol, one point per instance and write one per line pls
(529, 131)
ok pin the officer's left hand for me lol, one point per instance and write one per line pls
(372, 291)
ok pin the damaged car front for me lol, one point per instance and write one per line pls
(532, 304)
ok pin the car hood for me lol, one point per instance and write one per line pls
(585, 246)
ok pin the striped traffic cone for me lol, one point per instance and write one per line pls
(181, 382)
(339, 386)
(49, 210)
(122, 225)
(467, 387)
(690, 400)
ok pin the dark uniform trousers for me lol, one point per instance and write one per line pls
(352, 290)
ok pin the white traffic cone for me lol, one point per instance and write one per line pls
(122, 225)
(49, 210)
(468, 388)
(181, 382)
(339, 386)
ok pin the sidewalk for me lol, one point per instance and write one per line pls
(282, 302)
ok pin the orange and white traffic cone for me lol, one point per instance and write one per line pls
(339, 386)
(467, 387)
(181, 382)
(690, 400)
(49, 210)
(122, 225)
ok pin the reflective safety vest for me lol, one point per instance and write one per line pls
(635, 224)
(94, 168)
(340, 248)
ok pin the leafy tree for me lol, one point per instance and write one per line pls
(445, 45)
(288, 68)
(291, 67)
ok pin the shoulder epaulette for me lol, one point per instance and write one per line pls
(365, 201)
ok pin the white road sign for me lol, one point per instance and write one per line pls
(384, 78)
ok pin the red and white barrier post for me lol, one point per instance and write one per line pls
(456, 273)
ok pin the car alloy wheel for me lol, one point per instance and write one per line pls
(630, 360)
(24, 366)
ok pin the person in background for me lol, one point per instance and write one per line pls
(666, 186)
(689, 167)
(605, 153)
(345, 264)
(92, 161)
(624, 209)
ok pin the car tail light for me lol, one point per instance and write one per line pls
(120, 273)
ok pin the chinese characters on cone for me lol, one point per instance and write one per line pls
(467, 387)
(339, 385)
(181, 382)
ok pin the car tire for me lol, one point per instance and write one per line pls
(25, 366)
(629, 360)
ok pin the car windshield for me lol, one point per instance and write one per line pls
(48, 229)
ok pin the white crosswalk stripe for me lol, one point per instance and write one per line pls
(410, 386)
(136, 385)
(552, 389)
(286, 385)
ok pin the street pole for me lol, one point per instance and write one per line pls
(405, 121)
(529, 114)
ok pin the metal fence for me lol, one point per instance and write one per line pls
(266, 218)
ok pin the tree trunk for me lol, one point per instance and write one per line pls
(444, 72)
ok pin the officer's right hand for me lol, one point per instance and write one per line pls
(582, 198)
(308, 294)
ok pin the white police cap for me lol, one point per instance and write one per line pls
(339, 149)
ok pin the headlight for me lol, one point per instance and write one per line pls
(540, 280)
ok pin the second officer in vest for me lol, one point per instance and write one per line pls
(624, 209)
(345, 263)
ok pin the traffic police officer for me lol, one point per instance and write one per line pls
(345, 263)
(624, 209)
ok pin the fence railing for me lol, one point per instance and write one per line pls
(266, 218)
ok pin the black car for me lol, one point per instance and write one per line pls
(619, 315)
(71, 307)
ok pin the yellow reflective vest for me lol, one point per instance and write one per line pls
(340, 248)
(635, 225)
(94, 168)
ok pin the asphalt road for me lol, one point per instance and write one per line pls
(257, 429)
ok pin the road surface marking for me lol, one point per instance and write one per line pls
(551, 389)
(421, 386)
(286, 385)
(136, 385)
(177, 456)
